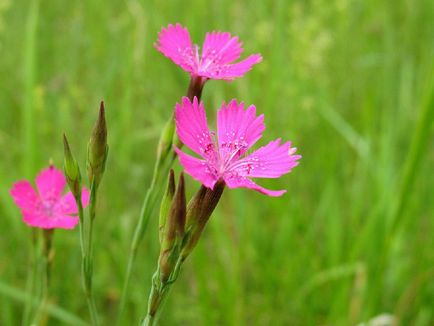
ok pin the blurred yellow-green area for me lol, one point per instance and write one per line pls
(349, 82)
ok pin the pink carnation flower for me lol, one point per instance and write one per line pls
(219, 51)
(238, 129)
(47, 208)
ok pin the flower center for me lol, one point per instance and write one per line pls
(48, 207)
(230, 152)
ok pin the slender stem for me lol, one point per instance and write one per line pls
(28, 132)
(159, 293)
(86, 230)
(162, 166)
(31, 277)
(148, 321)
(43, 266)
(147, 207)
(29, 64)
(195, 88)
(156, 296)
(43, 295)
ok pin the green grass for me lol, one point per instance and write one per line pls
(350, 82)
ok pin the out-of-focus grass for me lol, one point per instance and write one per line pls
(350, 82)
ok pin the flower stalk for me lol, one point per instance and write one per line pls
(217, 61)
(44, 256)
(31, 276)
(196, 86)
(165, 158)
(97, 152)
(180, 235)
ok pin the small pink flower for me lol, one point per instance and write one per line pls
(47, 209)
(219, 51)
(238, 129)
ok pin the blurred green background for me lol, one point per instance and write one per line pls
(350, 82)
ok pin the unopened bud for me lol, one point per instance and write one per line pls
(165, 203)
(173, 232)
(71, 169)
(199, 211)
(97, 149)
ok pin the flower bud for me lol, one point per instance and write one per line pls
(166, 203)
(199, 211)
(173, 232)
(71, 169)
(97, 149)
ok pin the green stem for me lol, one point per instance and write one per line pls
(86, 231)
(29, 131)
(43, 270)
(31, 278)
(159, 293)
(29, 82)
(43, 296)
(148, 321)
(162, 166)
(147, 207)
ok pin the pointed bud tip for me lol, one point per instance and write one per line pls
(181, 183)
(101, 115)
(102, 110)
(71, 169)
(65, 142)
(171, 187)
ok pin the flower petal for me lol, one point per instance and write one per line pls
(219, 48)
(233, 181)
(198, 169)
(231, 71)
(270, 161)
(50, 183)
(192, 128)
(50, 222)
(175, 43)
(25, 197)
(238, 129)
(67, 204)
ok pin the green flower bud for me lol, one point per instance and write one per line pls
(71, 169)
(199, 211)
(173, 232)
(97, 149)
(166, 203)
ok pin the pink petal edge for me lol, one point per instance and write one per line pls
(24, 196)
(247, 183)
(192, 127)
(43, 222)
(197, 169)
(174, 42)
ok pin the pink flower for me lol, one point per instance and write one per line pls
(238, 129)
(47, 208)
(219, 51)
